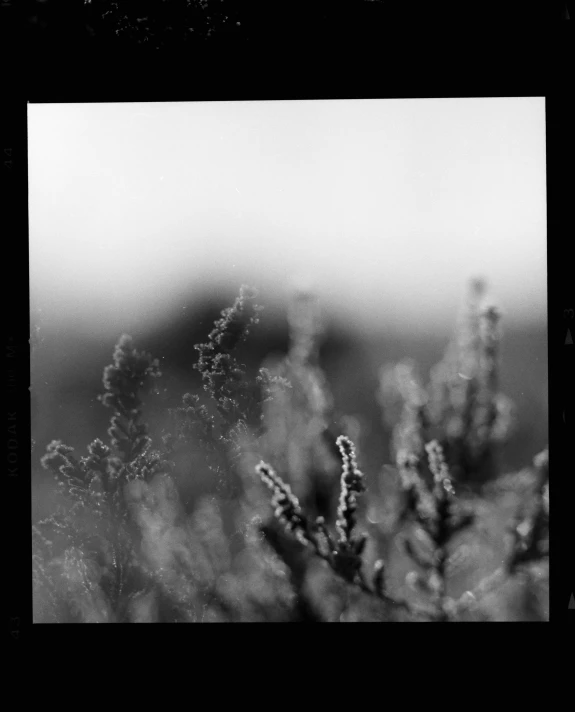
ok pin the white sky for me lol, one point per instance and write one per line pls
(388, 205)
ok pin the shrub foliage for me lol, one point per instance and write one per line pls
(293, 539)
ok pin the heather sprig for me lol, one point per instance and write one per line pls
(193, 423)
(343, 555)
(67, 470)
(442, 531)
(220, 438)
(352, 485)
(286, 505)
(349, 545)
(290, 513)
(221, 373)
(131, 372)
(298, 409)
(99, 473)
(86, 481)
(94, 528)
(98, 457)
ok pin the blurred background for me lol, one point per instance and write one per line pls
(146, 219)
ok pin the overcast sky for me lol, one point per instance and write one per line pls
(389, 206)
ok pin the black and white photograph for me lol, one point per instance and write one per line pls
(289, 359)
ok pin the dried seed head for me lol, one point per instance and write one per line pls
(352, 485)
(286, 505)
(438, 466)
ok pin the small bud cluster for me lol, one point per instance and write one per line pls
(286, 504)
(63, 464)
(352, 485)
(440, 471)
(99, 453)
(270, 383)
(344, 555)
(87, 479)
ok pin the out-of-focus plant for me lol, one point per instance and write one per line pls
(462, 406)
